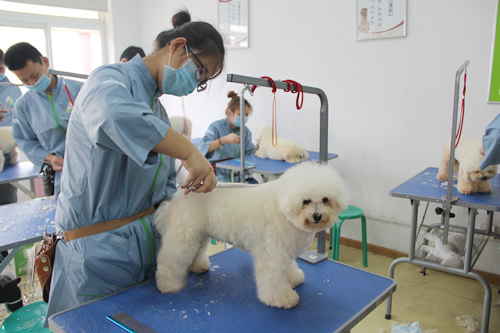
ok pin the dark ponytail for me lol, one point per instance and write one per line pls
(201, 37)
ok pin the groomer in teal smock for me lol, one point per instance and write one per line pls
(9, 93)
(222, 138)
(41, 115)
(119, 162)
(491, 144)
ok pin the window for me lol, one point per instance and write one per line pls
(72, 39)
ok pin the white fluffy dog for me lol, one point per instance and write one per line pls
(183, 125)
(471, 179)
(275, 222)
(7, 146)
(287, 150)
(451, 254)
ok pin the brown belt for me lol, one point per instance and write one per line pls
(104, 226)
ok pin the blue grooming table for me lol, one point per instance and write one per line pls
(22, 223)
(266, 166)
(13, 173)
(425, 187)
(333, 298)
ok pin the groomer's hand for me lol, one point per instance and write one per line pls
(481, 151)
(56, 161)
(2, 113)
(231, 138)
(201, 174)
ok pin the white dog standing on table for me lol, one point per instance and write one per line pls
(7, 146)
(275, 222)
(285, 150)
(471, 179)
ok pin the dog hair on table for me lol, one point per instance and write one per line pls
(285, 150)
(274, 221)
(7, 146)
(471, 179)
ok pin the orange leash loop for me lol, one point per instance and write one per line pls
(274, 127)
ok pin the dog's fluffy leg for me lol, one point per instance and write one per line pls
(483, 187)
(14, 156)
(201, 263)
(464, 185)
(295, 276)
(174, 259)
(272, 287)
(445, 163)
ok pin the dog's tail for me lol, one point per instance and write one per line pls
(160, 217)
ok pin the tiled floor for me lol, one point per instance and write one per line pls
(434, 300)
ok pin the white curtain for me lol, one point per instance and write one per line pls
(97, 5)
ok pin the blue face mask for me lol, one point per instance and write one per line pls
(237, 121)
(179, 82)
(41, 85)
(2, 76)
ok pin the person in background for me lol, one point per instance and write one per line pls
(222, 139)
(41, 115)
(131, 52)
(8, 96)
(119, 164)
(491, 144)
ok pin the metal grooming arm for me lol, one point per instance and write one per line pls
(80, 76)
(445, 215)
(313, 256)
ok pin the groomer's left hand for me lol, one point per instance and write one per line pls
(201, 174)
(56, 161)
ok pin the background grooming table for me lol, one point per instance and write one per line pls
(333, 298)
(425, 187)
(13, 173)
(23, 223)
(265, 166)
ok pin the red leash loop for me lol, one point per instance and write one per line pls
(462, 114)
(273, 84)
(298, 90)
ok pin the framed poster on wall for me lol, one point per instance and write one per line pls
(378, 19)
(233, 22)
(494, 93)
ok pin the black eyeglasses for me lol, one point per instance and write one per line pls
(201, 72)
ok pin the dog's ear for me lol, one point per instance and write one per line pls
(287, 203)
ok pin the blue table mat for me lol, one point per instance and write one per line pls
(225, 300)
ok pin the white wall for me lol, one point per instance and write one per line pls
(391, 100)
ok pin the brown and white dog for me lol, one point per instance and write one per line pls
(471, 179)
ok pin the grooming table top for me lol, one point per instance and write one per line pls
(23, 222)
(425, 187)
(266, 166)
(17, 172)
(333, 298)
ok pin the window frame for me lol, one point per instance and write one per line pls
(47, 22)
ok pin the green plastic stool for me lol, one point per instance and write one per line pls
(351, 213)
(29, 318)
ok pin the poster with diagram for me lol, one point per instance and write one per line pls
(380, 19)
(233, 22)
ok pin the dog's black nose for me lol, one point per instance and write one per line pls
(484, 178)
(317, 217)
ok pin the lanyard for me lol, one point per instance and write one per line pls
(161, 156)
(55, 114)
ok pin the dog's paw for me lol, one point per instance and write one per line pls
(442, 176)
(465, 189)
(200, 264)
(167, 286)
(279, 296)
(295, 276)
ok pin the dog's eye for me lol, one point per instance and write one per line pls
(325, 200)
(306, 202)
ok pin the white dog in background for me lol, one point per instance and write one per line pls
(287, 150)
(275, 222)
(451, 254)
(471, 179)
(7, 146)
